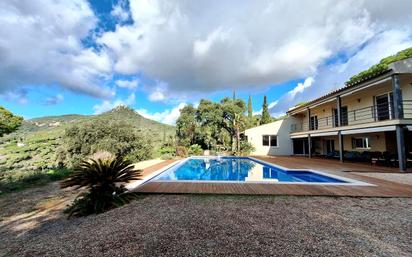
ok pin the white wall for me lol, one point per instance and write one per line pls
(280, 128)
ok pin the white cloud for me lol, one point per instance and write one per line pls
(119, 11)
(168, 116)
(40, 44)
(109, 105)
(205, 47)
(270, 106)
(129, 84)
(156, 96)
(54, 99)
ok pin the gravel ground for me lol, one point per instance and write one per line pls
(190, 225)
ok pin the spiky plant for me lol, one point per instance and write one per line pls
(105, 180)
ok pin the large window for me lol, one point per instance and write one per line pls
(343, 116)
(361, 142)
(384, 106)
(270, 140)
(313, 125)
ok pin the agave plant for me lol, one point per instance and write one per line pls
(105, 180)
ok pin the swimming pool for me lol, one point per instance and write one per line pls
(244, 170)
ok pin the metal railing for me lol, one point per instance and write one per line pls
(379, 112)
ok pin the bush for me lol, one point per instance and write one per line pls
(105, 180)
(246, 148)
(181, 151)
(195, 150)
(118, 138)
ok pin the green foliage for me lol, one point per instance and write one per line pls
(382, 66)
(8, 121)
(20, 180)
(195, 150)
(181, 151)
(250, 117)
(105, 181)
(266, 118)
(167, 152)
(118, 138)
(186, 125)
(213, 126)
(246, 148)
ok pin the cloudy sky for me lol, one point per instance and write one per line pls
(78, 56)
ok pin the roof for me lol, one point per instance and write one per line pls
(399, 63)
(347, 86)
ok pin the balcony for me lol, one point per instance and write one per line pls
(379, 112)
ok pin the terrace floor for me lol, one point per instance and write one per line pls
(383, 187)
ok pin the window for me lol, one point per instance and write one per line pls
(361, 142)
(384, 106)
(343, 116)
(273, 141)
(313, 123)
(265, 140)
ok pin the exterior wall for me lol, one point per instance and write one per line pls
(406, 87)
(359, 105)
(376, 140)
(279, 128)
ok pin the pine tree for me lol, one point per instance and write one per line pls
(250, 111)
(265, 112)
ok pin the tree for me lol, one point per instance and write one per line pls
(119, 138)
(234, 119)
(265, 113)
(250, 112)
(8, 121)
(186, 126)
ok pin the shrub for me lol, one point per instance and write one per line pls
(245, 148)
(105, 180)
(118, 138)
(195, 150)
(181, 151)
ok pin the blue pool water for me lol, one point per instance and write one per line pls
(239, 170)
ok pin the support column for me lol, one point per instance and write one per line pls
(400, 142)
(308, 114)
(338, 110)
(340, 138)
(310, 146)
(397, 97)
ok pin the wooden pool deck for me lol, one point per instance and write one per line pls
(381, 188)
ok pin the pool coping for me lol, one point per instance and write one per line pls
(177, 164)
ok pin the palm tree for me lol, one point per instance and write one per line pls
(105, 180)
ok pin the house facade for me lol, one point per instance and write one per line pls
(272, 138)
(366, 117)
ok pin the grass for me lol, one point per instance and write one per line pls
(20, 180)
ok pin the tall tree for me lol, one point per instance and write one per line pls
(250, 111)
(234, 119)
(8, 121)
(234, 95)
(186, 126)
(265, 112)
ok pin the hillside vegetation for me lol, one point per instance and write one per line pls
(382, 66)
(31, 153)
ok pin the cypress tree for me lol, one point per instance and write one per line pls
(265, 112)
(249, 108)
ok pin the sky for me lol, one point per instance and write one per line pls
(87, 57)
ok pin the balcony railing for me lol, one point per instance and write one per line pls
(379, 112)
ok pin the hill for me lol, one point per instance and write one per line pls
(32, 148)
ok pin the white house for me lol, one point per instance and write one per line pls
(272, 138)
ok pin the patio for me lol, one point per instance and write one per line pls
(358, 171)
